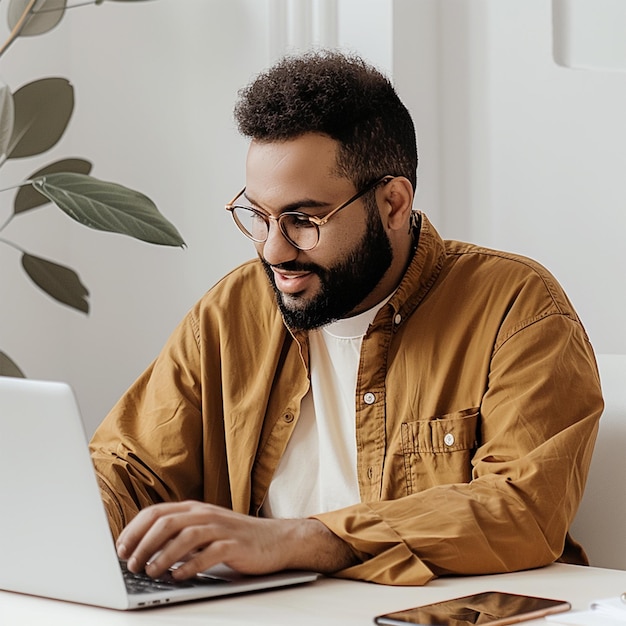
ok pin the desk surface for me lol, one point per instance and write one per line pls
(328, 601)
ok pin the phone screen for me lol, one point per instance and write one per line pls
(488, 607)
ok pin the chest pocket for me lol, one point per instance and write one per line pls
(439, 451)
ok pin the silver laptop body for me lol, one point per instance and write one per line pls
(55, 540)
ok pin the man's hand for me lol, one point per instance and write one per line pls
(203, 535)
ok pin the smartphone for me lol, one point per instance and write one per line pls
(493, 608)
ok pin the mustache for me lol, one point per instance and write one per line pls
(294, 266)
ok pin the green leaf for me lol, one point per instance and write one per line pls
(45, 15)
(109, 207)
(29, 198)
(42, 111)
(59, 282)
(7, 116)
(9, 367)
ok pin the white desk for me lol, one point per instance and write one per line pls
(327, 602)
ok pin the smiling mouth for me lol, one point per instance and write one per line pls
(292, 282)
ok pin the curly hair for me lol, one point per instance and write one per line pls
(342, 97)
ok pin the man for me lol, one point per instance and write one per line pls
(364, 399)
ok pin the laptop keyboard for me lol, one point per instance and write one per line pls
(142, 583)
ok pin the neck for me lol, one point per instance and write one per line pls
(403, 251)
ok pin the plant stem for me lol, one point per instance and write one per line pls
(22, 184)
(12, 245)
(7, 222)
(28, 11)
(17, 29)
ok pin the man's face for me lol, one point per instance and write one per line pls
(339, 277)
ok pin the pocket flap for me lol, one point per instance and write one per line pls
(446, 433)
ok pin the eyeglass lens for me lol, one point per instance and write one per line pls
(299, 230)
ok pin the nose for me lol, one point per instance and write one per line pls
(277, 249)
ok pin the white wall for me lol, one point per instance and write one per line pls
(515, 153)
(557, 163)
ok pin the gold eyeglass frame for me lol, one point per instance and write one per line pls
(313, 219)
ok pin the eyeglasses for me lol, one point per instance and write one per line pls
(301, 230)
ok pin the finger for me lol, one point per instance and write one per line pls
(212, 554)
(182, 552)
(132, 534)
(170, 539)
(130, 540)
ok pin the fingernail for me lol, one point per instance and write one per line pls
(121, 551)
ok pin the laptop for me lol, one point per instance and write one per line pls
(55, 540)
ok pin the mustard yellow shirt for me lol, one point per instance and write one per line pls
(477, 407)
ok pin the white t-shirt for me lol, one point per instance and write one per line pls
(318, 472)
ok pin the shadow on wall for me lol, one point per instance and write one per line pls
(600, 523)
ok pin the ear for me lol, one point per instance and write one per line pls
(396, 203)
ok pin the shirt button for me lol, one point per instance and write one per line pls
(288, 417)
(449, 439)
(369, 398)
(397, 319)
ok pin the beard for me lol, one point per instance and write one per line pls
(344, 285)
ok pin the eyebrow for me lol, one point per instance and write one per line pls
(306, 203)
